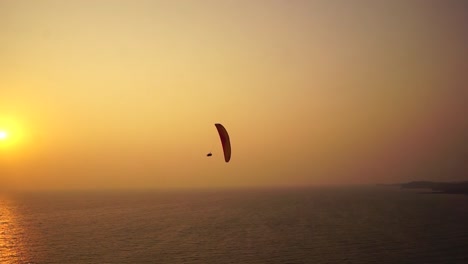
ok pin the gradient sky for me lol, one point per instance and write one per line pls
(124, 94)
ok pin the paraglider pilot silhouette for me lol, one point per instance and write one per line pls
(225, 142)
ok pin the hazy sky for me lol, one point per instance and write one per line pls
(125, 94)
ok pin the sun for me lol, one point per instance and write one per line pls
(12, 136)
(3, 135)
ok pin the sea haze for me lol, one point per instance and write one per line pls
(302, 225)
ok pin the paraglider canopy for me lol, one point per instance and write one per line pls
(225, 142)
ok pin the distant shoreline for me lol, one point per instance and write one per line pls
(436, 187)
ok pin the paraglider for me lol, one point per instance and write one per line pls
(225, 142)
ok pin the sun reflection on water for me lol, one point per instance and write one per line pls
(12, 248)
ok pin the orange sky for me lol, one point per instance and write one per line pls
(125, 94)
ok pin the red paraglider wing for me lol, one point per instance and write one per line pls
(224, 136)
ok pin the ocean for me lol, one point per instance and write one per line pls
(373, 224)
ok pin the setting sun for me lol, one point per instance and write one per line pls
(12, 134)
(3, 135)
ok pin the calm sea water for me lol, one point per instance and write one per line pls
(316, 225)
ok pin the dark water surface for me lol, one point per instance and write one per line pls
(316, 225)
